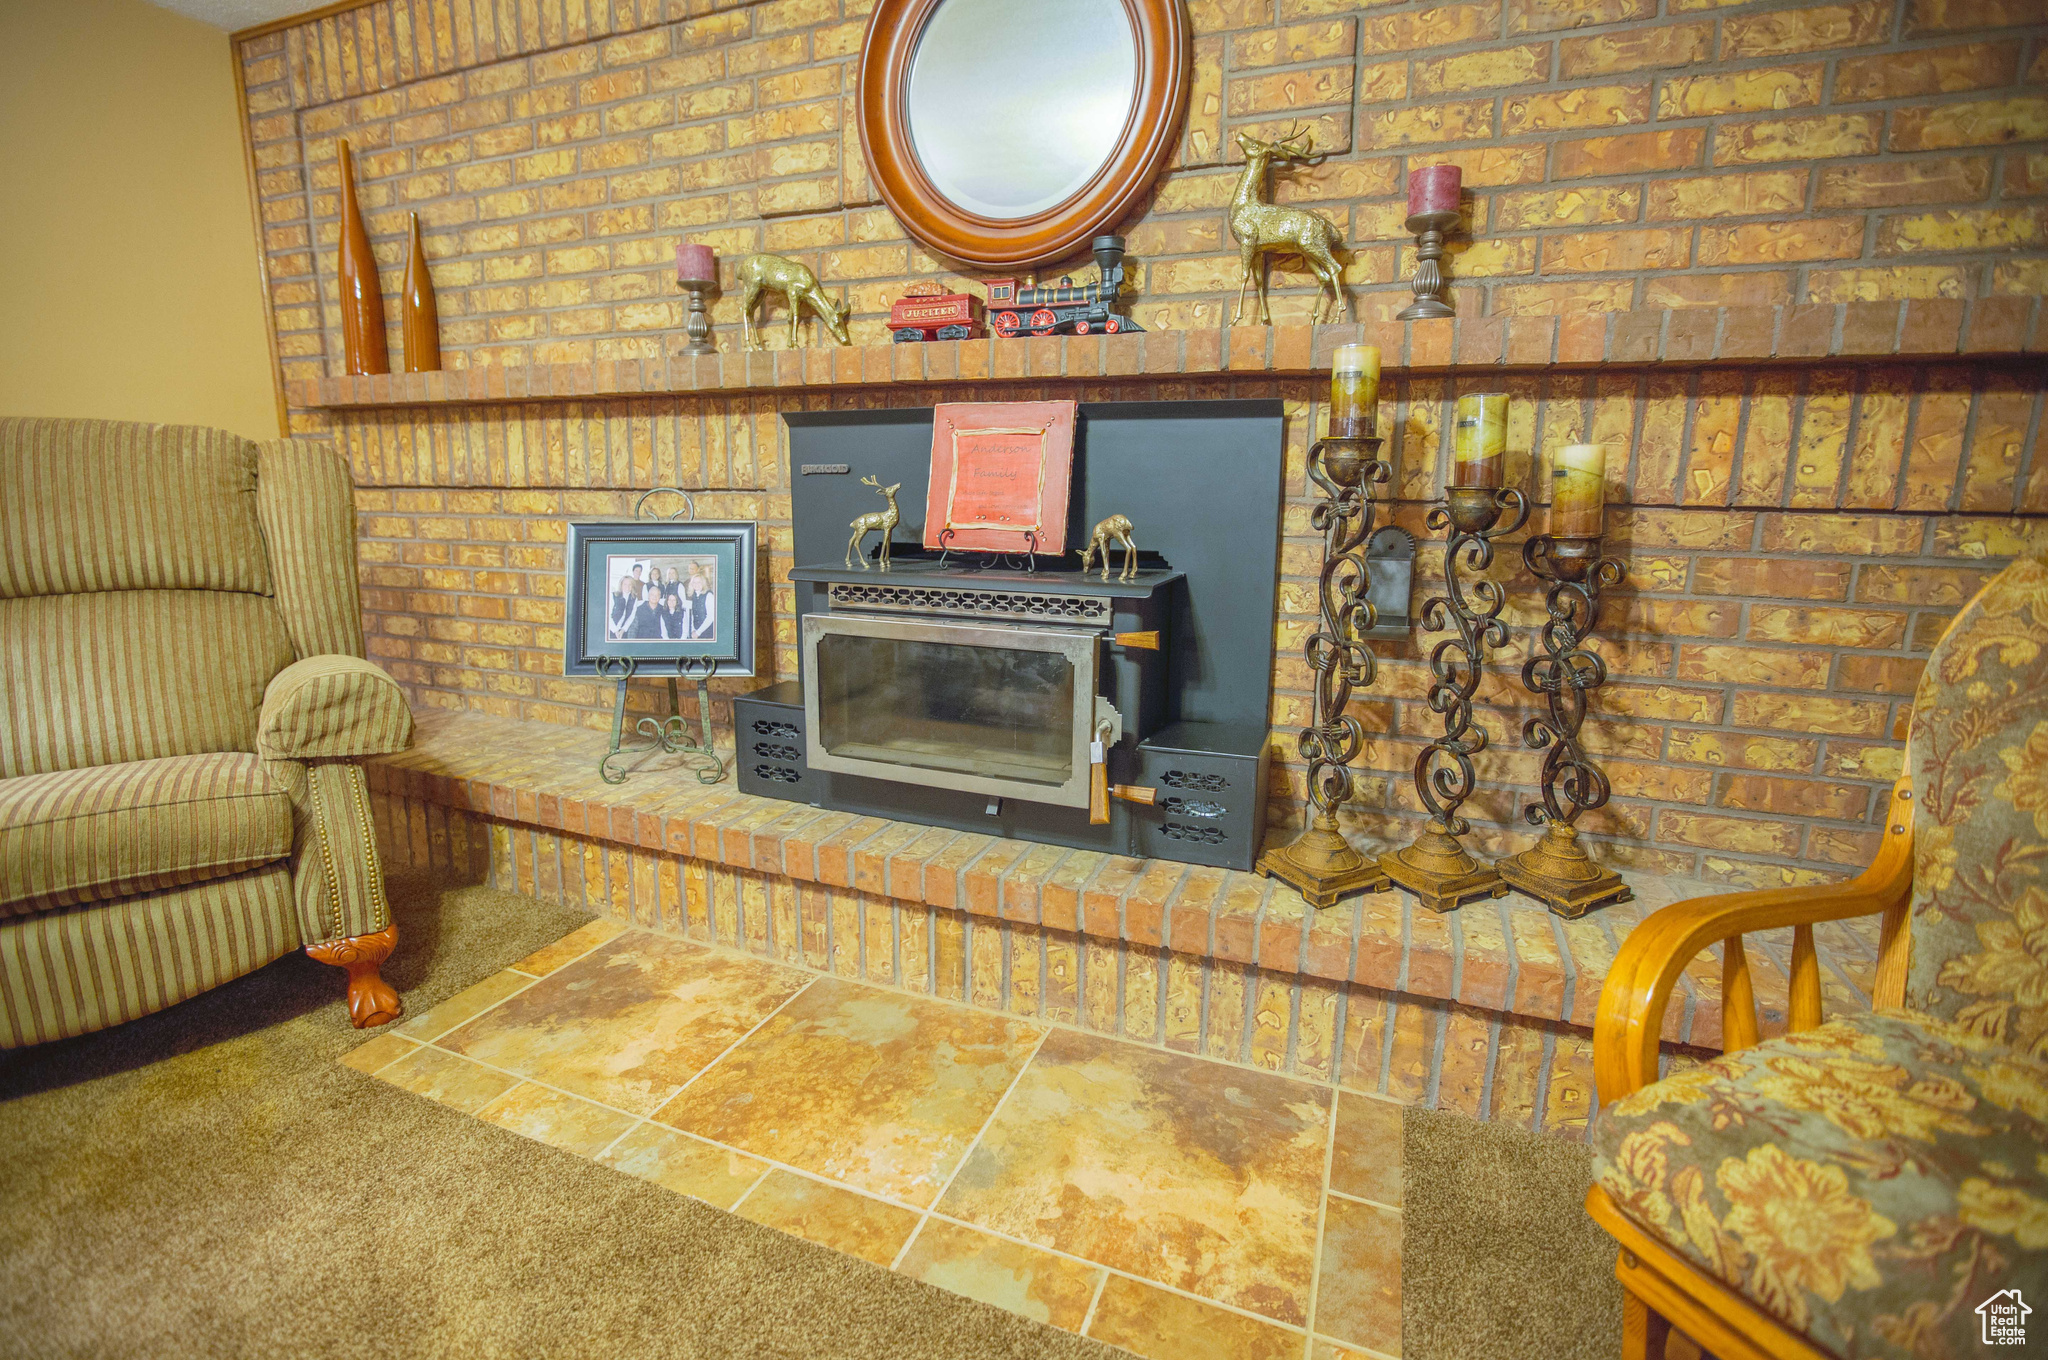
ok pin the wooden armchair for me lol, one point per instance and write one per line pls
(1857, 1187)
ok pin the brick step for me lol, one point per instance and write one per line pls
(1487, 1010)
(1509, 956)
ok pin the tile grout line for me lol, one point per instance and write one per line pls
(993, 1114)
(531, 979)
(1094, 1302)
(968, 1151)
(671, 1097)
(417, 1045)
(518, 1079)
(915, 1233)
(766, 1171)
(1361, 1199)
(598, 1156)
(478, 1113)
(1315, 1278)
(517, 991)
(1161, 1285)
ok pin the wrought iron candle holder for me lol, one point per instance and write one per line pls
(1428, 229)
(1322, 865)
(1557, 870)
(1436, 867)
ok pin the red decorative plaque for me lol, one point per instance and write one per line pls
(1000, 476)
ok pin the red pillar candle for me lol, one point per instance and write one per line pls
(1354, 391)
(1434, 189)
(696, 264)
(1578, 491)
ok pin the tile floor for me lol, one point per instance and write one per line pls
(1171, 1205)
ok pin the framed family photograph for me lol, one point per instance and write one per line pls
(660, 592)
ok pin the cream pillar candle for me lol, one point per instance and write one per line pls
(1479, 440)
(1578, 491)
(1354, 391)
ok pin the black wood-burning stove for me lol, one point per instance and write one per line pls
(984, 697)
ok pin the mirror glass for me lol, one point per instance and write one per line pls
(1014, 107)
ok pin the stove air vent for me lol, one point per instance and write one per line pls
(969, 603)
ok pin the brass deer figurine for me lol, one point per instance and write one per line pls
(1115, 529)
(760, 274)
(1260, 227)
(885, 520)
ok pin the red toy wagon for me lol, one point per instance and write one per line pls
(925, 313)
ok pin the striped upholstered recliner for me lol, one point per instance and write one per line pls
(183, 703)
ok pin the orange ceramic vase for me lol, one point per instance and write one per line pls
(421, 314)
(362, 299)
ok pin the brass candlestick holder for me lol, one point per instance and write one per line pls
(1321, 864)
(1436, 867)
(697, 324)
(1428, 285)
(1557, 870)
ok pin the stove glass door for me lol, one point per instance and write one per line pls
(1003, 711)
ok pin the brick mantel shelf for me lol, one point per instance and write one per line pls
(1992, 328)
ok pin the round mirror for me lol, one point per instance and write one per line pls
(1008, 133)
(1015, 136)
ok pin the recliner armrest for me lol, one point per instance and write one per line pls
(329, 706)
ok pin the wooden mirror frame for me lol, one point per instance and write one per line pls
(1160, 29)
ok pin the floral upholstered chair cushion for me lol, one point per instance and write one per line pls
(1980, 835)
(1867, 1183)
(1870, 1182)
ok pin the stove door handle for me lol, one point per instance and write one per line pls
(1098, 776)
(1134, 793)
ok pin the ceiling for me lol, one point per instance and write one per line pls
(233, 15)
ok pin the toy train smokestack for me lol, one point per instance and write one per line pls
(1066, 308)
(1109, 258)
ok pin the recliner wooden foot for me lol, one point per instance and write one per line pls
(371, 1000)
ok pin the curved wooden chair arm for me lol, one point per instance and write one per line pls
(1656, 952)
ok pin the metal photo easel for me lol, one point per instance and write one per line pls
(670, 735)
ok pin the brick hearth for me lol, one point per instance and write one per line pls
(1487, 1010)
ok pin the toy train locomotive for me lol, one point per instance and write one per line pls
(1066, 308)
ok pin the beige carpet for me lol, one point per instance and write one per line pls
(209, 1182)
(1498, 1258)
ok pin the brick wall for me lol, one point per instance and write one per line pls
(1795, 540)
(1620, 153)
(1796, 532)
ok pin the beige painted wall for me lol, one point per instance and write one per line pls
(128, 270)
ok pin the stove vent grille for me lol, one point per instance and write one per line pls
(970, 603)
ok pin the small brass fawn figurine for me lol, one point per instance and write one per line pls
(1115, 529)
(1260, 227)
(760, 274)
(885, 520)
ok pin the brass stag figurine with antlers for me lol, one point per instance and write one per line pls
(884, 520)
(1261, 228)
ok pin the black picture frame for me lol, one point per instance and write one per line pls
(654, 639)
